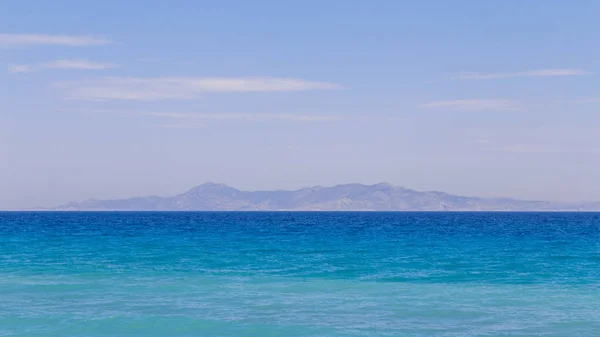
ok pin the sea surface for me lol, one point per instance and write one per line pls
(299, 274)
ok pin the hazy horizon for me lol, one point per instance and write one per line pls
(486, 99)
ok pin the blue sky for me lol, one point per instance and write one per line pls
(120, 98)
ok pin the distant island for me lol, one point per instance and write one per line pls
(347, 197)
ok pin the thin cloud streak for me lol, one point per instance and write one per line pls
(531, 149)
(531, 73)
(45, 39)
(65, 64)
(20, 68)
(77, 64)
(247, 117)
(219, 116)
(472, 105)
(181, 126)
(589, 100)
(256, 117)
(162, 88)
(546, 149)
(520, 148)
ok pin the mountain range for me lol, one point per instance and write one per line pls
(346, 197)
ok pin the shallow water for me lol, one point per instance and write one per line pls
(299, 274)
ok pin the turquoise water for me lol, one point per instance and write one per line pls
(299, 274)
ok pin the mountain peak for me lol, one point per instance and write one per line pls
(210, 187)
(378, 197)
(213, 185)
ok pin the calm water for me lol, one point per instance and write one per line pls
(299, 274)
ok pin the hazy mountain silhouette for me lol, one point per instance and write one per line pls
(347, 197)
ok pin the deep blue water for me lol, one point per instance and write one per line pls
(299, 274)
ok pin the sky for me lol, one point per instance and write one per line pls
(113, 99)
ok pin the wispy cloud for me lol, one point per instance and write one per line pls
(547, 149)
(481, 141)
(241, 116)
(181, 126)
(472, 105)
(159, 88)
(187, 120)
(523, 148)
(198, 117)
(77, 64)
(530, 73)
(531, 149)
(44, 39)
(74, 64)
(20, 68)
(589, 100)
(544, 139)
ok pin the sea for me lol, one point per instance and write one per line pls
(299, 274)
